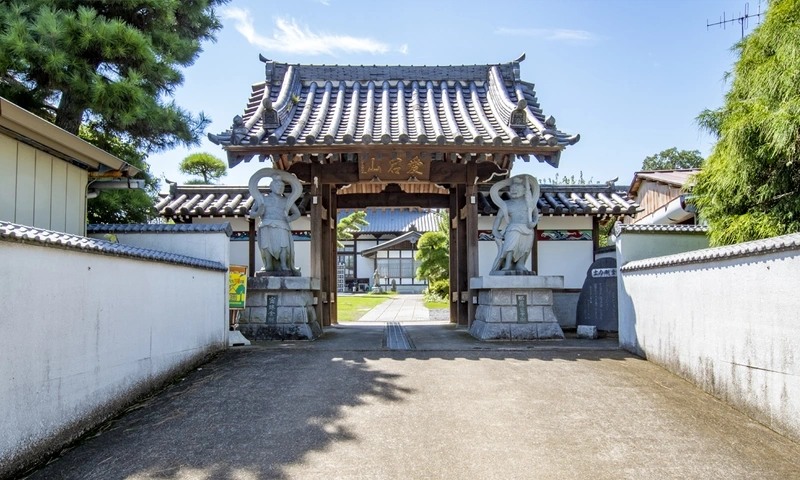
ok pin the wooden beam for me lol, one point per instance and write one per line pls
(440, 172)
(422, 200)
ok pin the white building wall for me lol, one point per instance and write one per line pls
(728, 324)
(40, 190)
(240, 253)
(83, 334)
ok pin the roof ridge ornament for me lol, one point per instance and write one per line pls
(269, 117)
(518, 120)
(233, 136)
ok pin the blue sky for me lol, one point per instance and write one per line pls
(629, 75)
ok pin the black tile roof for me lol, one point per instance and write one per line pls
(11, 232)
(474, 105)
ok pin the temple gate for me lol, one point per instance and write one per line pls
(393, 136)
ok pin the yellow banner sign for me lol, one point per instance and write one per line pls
(237, 275)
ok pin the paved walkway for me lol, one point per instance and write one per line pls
(402, 308)
(346, 407)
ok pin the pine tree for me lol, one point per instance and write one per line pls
(204, 165)
(350, 223)
(748, 188)
(106, 69)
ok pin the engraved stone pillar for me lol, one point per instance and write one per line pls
(280, 308)
(516, 308)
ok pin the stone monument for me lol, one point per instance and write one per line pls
(513, 302)
(280, 302)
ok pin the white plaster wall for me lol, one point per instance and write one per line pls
(729, 326)
(639, 245)
(570, 258)
(487, 251)
(83, 332)
(208, 246)
(564, 223)
(239, 250)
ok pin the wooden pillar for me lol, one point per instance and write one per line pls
(595, 236)
(316, 244)
(251, 244)
(453, 218)
(463, 256)
(334, 289)
(472, 243)
(325, 254)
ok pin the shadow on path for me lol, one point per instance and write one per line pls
(327, 409)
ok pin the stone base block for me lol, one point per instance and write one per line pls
(515, 308)
(235, 339)
(587, 331)
(280, 308)
(282, 332)
(516, 331)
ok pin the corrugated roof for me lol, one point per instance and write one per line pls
(676, 178)
(406, 237)
(187, 201)
(11, 232)
(323, 105)
(396, 220)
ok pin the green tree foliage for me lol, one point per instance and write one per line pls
(111, 63)
(349, 224)
(433, 253)
(204, 165)
(748, 188)
(673, 159)
(109, 67)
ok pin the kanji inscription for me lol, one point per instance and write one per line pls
(394, 169)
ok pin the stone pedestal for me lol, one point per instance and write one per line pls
(280, 308)
(516, 308)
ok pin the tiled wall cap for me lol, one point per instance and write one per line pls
(12, 232)
(747, 249)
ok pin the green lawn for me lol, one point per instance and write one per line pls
(437, 305)
(353, 307)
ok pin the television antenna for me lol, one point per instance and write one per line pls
(743, 20)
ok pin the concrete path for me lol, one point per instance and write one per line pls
(402, 308)
(345, 407)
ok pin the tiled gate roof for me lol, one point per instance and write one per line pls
(325, 105)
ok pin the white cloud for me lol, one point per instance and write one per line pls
(554, 34)
(290, 37)
(327, 3)
(403, 49)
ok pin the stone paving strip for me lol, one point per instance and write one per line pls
(396, 337)
(401, 308)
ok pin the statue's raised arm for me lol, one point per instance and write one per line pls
(275, 212)
(520, 214)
